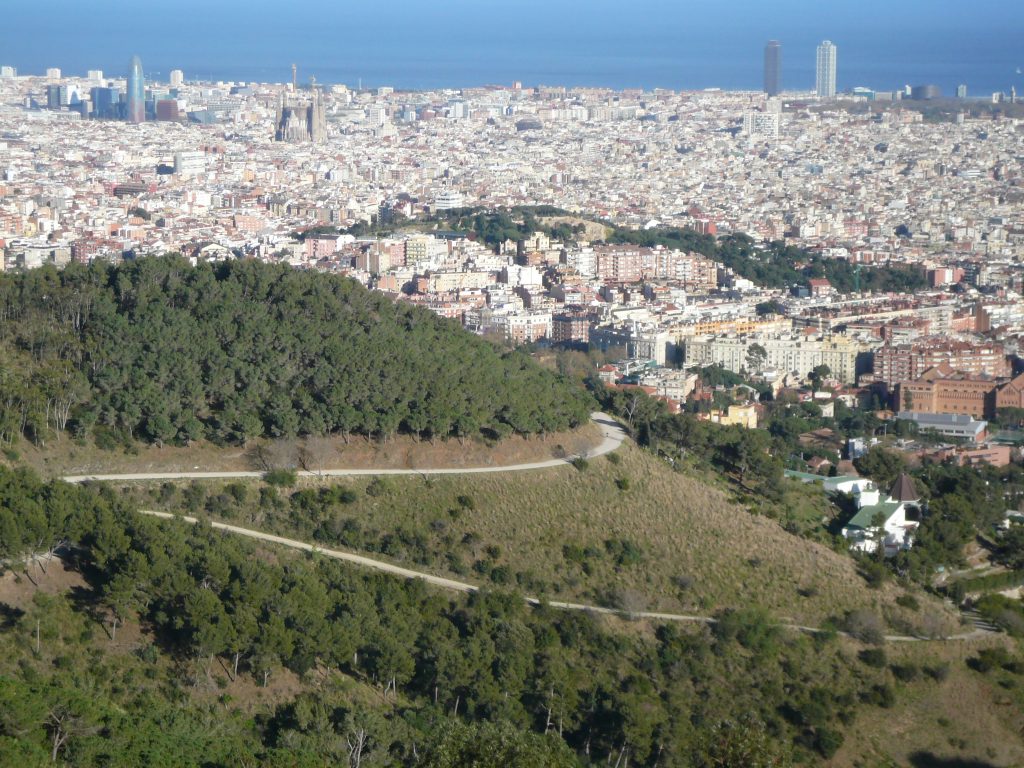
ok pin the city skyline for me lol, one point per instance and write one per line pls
(686, 49)
(825, 85)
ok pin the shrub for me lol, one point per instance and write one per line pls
(1014, 666)
(873, 657)
(865, 626)
(881, 696)
(622, 483)
(167, 493)
(219, 505)
(238, 492)
(908, 601)
(347, 496)
(938, 672)
(614, 458)
(378, 487)
(580, 463)
(465, 502)
(683, 581)
(195, 497)
(1002, 611)
(956, 592)
(989, 659)
(989, 583)
(573, 553)
(828, 741)
(281, 478)
(624, 551)
(106, 439)
(874, 573)
(456, 564)
(905, 672)
(750, 627)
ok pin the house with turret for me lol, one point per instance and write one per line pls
(889, 522)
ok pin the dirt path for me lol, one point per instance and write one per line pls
(612, 435)
(462, 586)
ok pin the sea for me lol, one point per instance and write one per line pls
(680, 45)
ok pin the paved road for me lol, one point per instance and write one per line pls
(612, 435)
(461, 586)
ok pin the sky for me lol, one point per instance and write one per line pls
(665, 43)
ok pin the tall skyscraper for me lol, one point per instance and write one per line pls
(177, 78)
(105, 102)
(772, 68)
(136, 92)
(56, 96)
(825, 83)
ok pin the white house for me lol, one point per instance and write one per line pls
(884, 521)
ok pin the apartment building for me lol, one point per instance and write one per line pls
(844, 356)
(907, 362)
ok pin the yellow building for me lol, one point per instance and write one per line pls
(737, 415)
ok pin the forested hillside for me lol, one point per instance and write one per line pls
(164, 352)
(403, 674)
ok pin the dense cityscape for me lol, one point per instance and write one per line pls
(283, 173)
(802, 311)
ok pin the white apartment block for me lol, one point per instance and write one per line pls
(789, 353)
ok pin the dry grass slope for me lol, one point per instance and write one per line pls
(967, 719)
(698, 551)
(64, 456)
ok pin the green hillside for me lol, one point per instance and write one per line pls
(161, 351)
(176, 645)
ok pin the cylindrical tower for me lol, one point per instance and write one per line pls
(136, 92)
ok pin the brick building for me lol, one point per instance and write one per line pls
(1011, 394)
(908, 362)
(943, 390)
(571, 326)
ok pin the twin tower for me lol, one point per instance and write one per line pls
(825, 69)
